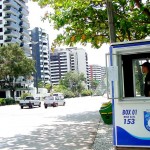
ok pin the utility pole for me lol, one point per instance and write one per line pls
(111, 25)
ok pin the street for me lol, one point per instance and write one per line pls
(70, 127)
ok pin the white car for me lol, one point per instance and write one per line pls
(30, 101)
(54, 101)
(59, 94)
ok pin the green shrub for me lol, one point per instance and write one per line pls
(86, 93)
(9, 101)
(68, 94)
(24, 95)
(2, 102)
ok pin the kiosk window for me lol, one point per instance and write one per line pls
(138, 77)
(133, 78)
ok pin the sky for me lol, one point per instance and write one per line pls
(95, 56)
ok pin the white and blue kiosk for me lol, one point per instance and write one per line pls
(131, 109)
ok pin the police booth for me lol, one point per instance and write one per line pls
(131, 109)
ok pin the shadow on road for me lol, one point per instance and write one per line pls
(71, 132)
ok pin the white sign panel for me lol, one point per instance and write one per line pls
(112, 73)
(132, 123)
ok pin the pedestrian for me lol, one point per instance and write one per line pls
(146, 71)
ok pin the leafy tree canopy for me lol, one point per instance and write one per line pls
(13, 64)
(73, 81)
(48, 86)
(86, 21)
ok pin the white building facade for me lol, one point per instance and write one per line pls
(14, 23)
(14, 27)
(69, 59)
(96, 72)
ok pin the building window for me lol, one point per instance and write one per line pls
(1, 37)
(1, 14)
(1, 29)
(1, 22)
(0, 6)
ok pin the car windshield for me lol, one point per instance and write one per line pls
(49, 98)
(57, 97)
(29, 98)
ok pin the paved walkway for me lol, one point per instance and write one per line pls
(103, 140)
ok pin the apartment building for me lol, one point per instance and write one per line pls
(14, 23)
(60, 64)
(41, 54)
(79, 61)
(96, 72)
(69, 59)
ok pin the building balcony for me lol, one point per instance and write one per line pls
(25, 46)
(45, 76)
(54, 65)
(54, 68)
(12, 25)
(44, 56)
(25, 32)
(55, 80)
(25, 39)
(45, 50)
(54, 72)
(11, 3)
(25, 25)
(25, 1)
(25, 19)
(11, 17)
(22, 3)
(45, 71)
(46, 66)
(24, 11)
(12, 40)
(27, 53)
(12, 33)
(9, 9)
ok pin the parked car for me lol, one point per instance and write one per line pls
(30, 101)
(54, 101)
(59, 94)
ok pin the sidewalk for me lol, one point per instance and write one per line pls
(103, 140)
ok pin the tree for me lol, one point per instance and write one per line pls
(94, 84)
(86, 21)
(14, 64)
(48, 86)
(73, 81)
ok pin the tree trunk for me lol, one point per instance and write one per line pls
(12, 93)
(111, 21)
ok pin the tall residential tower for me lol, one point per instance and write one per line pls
(69, 59)
(14, 23)
(41, 54)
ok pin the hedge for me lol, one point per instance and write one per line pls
(7, 101)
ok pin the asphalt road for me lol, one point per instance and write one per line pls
(70, 127)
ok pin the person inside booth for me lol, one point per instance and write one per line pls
(146, 71)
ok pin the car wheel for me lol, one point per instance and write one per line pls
(45, 106)
(64, 104)
(40, 105)
(21, 107)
